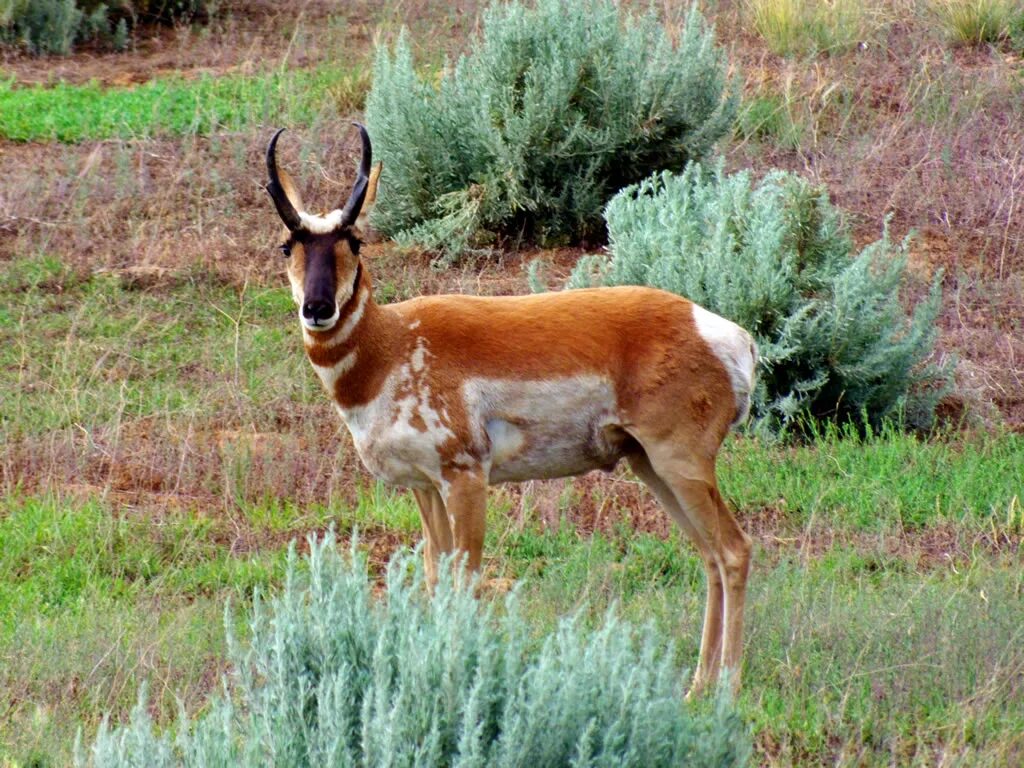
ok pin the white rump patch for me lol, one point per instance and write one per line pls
(321, 225)
(735, 349)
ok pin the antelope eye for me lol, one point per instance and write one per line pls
(285, 249)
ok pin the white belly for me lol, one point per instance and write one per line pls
(518, 430)
(544, 429)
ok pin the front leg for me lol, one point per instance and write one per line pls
(465, 498)
(436, 530)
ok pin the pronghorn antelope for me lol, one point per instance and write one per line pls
(448, 394)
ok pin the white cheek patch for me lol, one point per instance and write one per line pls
(321, 225)
(735, 349)
(296, 290)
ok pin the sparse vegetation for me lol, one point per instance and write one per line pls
(161, 441)
(975, 22)
(810, 26)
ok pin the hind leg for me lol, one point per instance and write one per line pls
(721, 542)
(711, 635)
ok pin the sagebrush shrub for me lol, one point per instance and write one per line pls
(334, 676)
(555, 108)
(44, 26)
(834, 339)
(56, 26)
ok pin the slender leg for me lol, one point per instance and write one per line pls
(692, 482)
(436, 530)
(465, 497)
(711, 636)
(731, 549)
(736, 551)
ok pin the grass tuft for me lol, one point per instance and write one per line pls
(975, 22)
(797, 27)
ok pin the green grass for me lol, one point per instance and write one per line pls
(881, 481)
(94, 601)
(770, 117)
(87, 350)
(174, 106)
(975, 22)
(855, 657)
(791, 27)
(128, 519)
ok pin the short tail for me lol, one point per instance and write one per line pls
(744, 376)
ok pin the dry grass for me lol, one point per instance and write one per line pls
(904, 127)
(975, 22)
(791, 27)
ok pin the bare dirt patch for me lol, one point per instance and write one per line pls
(157, 211)
(244, 37)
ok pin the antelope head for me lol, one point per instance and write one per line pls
(322, 250)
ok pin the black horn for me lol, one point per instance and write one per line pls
(355, 201)
(284, 206)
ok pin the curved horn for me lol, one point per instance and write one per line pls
(284, 206)
(355, 201)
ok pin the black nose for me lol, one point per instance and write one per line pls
(317, 309)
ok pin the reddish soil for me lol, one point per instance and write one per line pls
(157, 211)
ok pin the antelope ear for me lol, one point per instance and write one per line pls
(291, 191)
(362, 223)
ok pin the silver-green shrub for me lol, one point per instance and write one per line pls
(835, 341)
(333, 676)
(56, 26)
(556, 107)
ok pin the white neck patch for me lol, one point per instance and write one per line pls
(321, 225)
